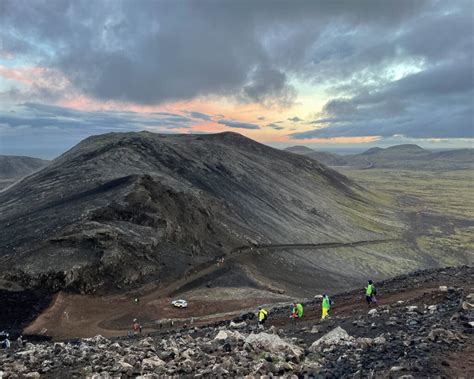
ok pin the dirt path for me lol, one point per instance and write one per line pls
(242, 251)
(351, 304)
(71, 316)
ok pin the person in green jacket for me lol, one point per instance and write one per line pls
(325, 306)
(370, 293)
(297, 311)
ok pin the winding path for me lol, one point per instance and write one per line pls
(212, 267)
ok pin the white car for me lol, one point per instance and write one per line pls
(180, 303)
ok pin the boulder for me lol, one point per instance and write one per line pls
(124, 365)
(443, 335)
(272, 343)
(146, 342)
(238, 325)
(225, 334)
(380, 340)
(153, 363)
(372, 312)
(98, 340)
(33, 374)
(467, 306)
(364, 342)
(397, 369)
(337, 336)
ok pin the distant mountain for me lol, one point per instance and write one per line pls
(299, 149)
(373, 150)
(125, 208)
(413, 157)
(329, 159)
(408, 156)
(402, 149)
(13, 168)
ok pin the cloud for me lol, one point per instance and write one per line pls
(274, 125)
(41, 115)
(435, 102)
(144, 53)
(28, 127)
(295, 119)
(48, 130)
(238, 124)
(199, 115)
(378, 64)
(269, 86)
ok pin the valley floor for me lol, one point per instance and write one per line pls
(438, 207)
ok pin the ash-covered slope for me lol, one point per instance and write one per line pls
(119, 209)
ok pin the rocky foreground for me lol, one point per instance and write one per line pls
(420, 329)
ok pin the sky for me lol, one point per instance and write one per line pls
(339, 74)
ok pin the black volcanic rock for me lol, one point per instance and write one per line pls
(429, 339)
(123, 208)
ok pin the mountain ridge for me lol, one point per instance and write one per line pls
(406, 156)
(165, 203)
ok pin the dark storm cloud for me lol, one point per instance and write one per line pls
(156, 51)
(238, 124)
(152, 52)
(436, 102)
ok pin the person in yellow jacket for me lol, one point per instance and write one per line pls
(325, 306)
(262, 315)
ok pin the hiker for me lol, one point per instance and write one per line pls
(297, 311)
(4, 341)
(370, 293)
(19, 341)
(136, 327)
(262, 315)
(325, 306)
